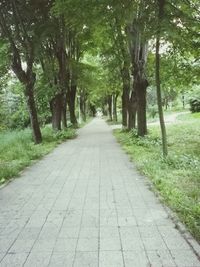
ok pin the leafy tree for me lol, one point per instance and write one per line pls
(20, 30)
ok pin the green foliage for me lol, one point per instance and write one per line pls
(17, 149)
(194, 99)
(176, 177)
(153, 111)
(195, 105)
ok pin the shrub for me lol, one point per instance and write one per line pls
(195, 105)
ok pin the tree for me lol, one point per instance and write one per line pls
(161, 5)
(20, 30)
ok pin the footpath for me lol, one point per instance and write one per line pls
(85, 204)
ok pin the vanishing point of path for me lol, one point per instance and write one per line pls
(85, 205)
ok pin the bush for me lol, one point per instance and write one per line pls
(194, 99)
(195, 105)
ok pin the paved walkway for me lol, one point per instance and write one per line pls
(85, 205)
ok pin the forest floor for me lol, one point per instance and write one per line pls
(85, 204)
(176, 177)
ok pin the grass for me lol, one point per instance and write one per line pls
(189, 117)
(177, 178)
(17, 149)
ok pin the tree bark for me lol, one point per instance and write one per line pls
(141, 108)
(71, 104)
(64, 111)
(37, 136)
(125, 95)
(132, 109)
(83, 105)
(110, 107)
(140, 85)
(115, 96)
(56, 110)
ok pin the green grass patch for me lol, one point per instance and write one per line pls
(177, 177)
(17, 149)
(189, 117)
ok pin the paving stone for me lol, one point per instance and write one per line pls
(14, 260)
(63, 245)
(185, 258)
(109, 232)
(160, 257)
(137, 258)
(38, 259)
(86, 259)
(111, 259)
(43, 245)
(176, 242)
(5, 244)
(130, 243)
(21, 246)
(154, 243)
(69, 232)
(87, 244)
(89, 232)
(107, 244)
(62, 259)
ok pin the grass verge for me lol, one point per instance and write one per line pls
(177, 178)
(17, 149)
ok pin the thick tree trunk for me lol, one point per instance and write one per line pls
(56, 110)
(83, 107)
(132, 109)
(71, 104)
(37, 136)
(141, 108)
(124, 108)
(64, 111)
(115, 107)
(138, 51)
(125, 95)
(110, 107)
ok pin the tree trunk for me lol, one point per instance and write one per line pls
(115, 96)
(83, 107)
(110, 107)
(92, 110)
(125, 95)
(141, 108)
(37, 136)
(64, 111)
(56, 110)
(71, 104)
(183, 101)
(159, 99)
(161, 4)
(132, 109)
